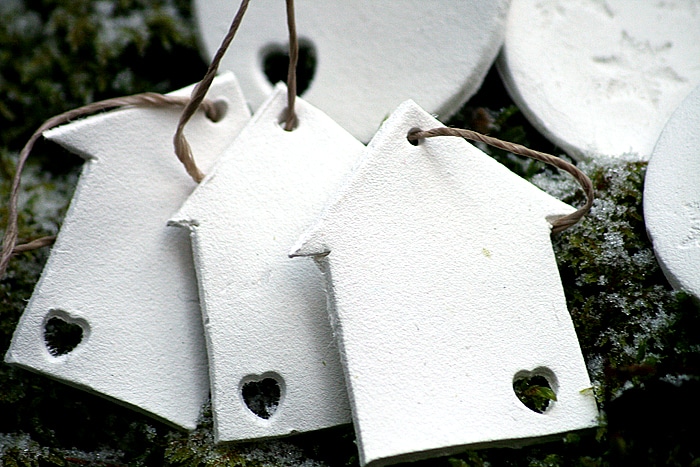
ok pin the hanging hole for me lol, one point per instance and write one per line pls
(413, 131)
(535, 389)
(262, 394)
(218, 110)
(282, 120)
(275, 63)
(62, 334)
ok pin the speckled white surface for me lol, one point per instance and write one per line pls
(601, 76)
(672, 197)
(371, 55)
(265, 314)
(444, 289)
(119, 272)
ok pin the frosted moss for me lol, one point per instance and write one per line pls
(639, 337)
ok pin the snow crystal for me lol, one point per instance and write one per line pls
(280, 454)
(678, 380)
(21, 442)
(103, 456)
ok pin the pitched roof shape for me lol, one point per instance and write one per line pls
(444, 291)
(119, 272)
(265, 314)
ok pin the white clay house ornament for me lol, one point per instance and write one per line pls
(433, 286)
(265, 314)
(119, 272)
(444, 290)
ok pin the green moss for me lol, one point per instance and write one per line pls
(639, 337)
(535, 393)
(630, 322)
(58, 55)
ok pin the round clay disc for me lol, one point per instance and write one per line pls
(601, 77)
(370, 55)
(672, 197)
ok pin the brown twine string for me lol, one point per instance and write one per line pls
(182, 147)
(34, 244)
(291, 121)
(561, 223)
(148, 99)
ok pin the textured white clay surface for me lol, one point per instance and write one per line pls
(119, 272)
(672, 197)
(444, 289)
(371, 55)
(601, 77)
(265, 314)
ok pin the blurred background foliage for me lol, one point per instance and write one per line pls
(641, 339)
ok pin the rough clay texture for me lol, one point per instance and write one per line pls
(601, 77)
(672, 197)
(370, 56)
(445, 289)
(119, 272)
(265, 314)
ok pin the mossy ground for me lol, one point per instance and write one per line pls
(639, 337)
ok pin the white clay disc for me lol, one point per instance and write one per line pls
(601, 76)
(370, 55)
(672, 197)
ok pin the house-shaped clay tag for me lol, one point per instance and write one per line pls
(444, 292)
(274, 364)
(118, 274)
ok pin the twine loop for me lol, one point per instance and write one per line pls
(558, 225)
(147, 99)
(291, 119)
(183, 150)
(182, 147)
(197, 101)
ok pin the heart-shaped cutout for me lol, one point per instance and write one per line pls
(63, 333)
(262, 394)
(535, 389)
(276, 65)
